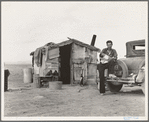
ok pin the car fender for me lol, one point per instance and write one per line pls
(141, 74)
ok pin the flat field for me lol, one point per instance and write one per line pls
(22, 100)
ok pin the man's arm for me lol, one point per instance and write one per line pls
(102, 53)
(114, 57)
(115, 54)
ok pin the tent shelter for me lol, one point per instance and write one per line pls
(70, 59)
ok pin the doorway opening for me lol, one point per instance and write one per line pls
(65, 52)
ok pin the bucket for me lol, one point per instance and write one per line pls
(27, 75)
(6, 74)
(36, 81)
(55, 85)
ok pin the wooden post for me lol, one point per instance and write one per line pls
(36, 81)
(71, 65)
(6, 74)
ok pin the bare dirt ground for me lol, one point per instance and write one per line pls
(22, 100)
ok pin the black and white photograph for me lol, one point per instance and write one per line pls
(74, 60)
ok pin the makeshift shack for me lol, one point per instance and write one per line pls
(69, 59)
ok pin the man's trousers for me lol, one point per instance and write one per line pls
(101, 68)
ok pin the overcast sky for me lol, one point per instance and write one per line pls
(28, 25)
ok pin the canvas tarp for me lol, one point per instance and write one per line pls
(38, 57)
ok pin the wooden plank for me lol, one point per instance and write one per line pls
(53, 53)
(121, 81)
(71, 65)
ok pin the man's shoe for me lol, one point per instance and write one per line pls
(101, 94)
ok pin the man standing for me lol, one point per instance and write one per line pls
(107, 57)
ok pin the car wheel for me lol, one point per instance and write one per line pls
(124, 68)
(114, 87)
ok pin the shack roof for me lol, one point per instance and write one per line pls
(70, 41)
(67, 42)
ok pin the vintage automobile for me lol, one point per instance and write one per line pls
(129, 70)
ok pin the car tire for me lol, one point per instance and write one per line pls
(116, 86)
(124, 68)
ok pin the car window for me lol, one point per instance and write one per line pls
(139, 47)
